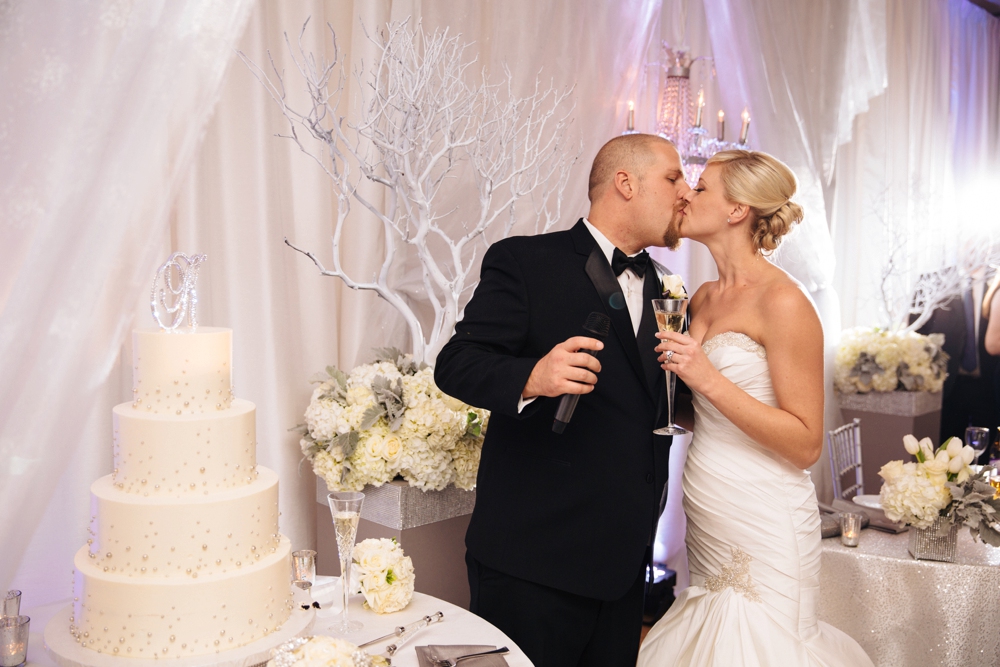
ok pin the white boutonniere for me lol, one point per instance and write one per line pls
(673, 287)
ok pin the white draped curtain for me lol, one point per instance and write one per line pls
(923, 164)
(104, 105)
(234, 198)
(111, 157)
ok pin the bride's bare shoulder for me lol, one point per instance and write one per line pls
(786, 304)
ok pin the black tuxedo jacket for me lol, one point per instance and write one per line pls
(574, 511)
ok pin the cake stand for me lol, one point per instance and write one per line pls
(66, 652)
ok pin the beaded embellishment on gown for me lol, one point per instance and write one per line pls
(753, 542)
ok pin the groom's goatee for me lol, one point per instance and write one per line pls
(672, 235)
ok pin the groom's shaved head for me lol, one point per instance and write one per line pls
(630, 152)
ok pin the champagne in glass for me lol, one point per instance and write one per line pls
(345, 506)
(670, 314)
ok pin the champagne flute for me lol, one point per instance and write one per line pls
(670, 314)
(346, 509)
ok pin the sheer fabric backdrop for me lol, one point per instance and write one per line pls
(106, 101)
(104, 104)
(923, 164)
(244, 191)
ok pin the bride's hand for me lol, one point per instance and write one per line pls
(687, 360)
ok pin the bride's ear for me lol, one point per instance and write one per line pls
(738, 214)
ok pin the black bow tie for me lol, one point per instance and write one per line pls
(620, 261)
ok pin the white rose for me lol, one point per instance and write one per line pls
(911, 445)
(374, 561)
(937, 469)
(891, 471)
(942, 456)
(673, 286)
(392, 448)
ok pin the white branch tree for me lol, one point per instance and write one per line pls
(919, 277)
(423, 118)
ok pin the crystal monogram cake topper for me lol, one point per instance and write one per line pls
(183, 293)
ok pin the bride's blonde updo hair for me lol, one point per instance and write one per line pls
(766, 185)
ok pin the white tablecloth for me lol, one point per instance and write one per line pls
(914, 613)
(458, 627)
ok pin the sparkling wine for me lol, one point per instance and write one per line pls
(346, 526)
(670, 321)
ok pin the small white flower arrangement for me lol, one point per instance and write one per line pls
(388, 418)
(874, 359)
(383, 574)
(673, 287)
(323, 651)
(940, 484)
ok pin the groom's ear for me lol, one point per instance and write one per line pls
(626, 184)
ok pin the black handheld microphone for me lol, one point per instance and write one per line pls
(597, 326)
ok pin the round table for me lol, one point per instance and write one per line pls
(458, 626)
(914, 613)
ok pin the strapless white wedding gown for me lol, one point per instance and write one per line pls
(753, 543)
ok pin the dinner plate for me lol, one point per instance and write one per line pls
(869, 501)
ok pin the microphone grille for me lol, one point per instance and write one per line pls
(598, 324)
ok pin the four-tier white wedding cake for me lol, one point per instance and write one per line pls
(184, 556)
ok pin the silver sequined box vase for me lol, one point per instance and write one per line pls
(929, 544)
(400, 506)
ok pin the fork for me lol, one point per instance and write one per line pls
(451, 662)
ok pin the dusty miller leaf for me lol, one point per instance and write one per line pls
(389, 396)
(347, 442)
(338, 376)
(371, 415)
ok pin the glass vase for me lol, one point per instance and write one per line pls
(931, 544)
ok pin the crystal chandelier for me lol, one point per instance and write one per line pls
(681, 122)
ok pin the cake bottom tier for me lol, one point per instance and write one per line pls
(115, 614)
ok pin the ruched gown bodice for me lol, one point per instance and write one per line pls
(753, 543)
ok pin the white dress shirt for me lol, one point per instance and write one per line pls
(630, 282)
(631, 288)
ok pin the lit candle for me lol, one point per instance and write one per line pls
(850, 529)
(745, 130)
(701, 105)
(631, 116)
(14, 640)
(722, 125)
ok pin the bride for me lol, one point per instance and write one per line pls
(754, 363)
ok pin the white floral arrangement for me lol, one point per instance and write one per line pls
(323, 651)
(388, 418)
(383, 574)
(874, 359)
(941, 484)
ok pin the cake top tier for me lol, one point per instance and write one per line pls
(182, 372)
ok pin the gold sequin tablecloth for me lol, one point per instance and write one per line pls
(914, 613)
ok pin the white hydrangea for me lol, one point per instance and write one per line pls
(383, 574)
(437, 442)
(890, 351)
(465, 458)
(913, 493)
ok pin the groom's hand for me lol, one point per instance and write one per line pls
(566, 369)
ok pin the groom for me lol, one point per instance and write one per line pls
(561, 533)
